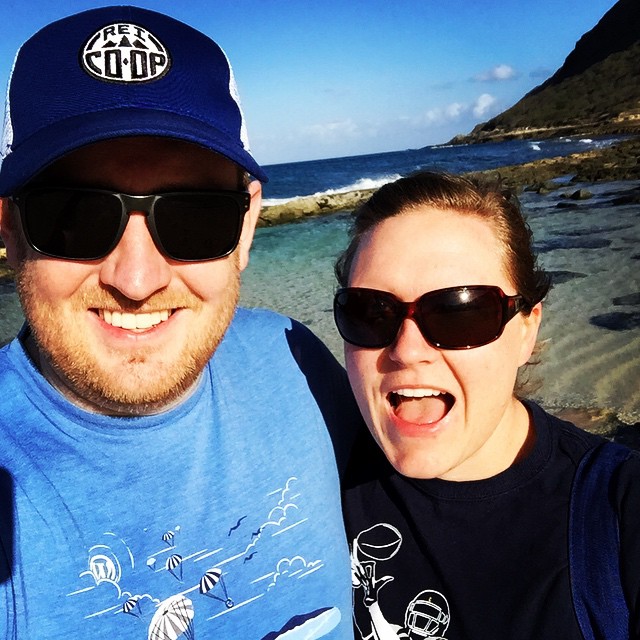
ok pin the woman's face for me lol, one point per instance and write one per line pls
(438, 413)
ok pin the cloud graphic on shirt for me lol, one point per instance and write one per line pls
(278, 514)
(293, 568)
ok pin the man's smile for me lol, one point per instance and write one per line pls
(128, 320)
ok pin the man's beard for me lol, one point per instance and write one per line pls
(143, 380)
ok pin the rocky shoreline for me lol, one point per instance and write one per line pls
(617, 162)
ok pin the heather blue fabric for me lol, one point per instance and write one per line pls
(218, 519)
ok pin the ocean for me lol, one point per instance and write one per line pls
(287, 181)
(591, 324)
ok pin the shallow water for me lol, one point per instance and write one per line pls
(591, 323)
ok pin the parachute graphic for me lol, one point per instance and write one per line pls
(172, 620)
(168, 537)
(208, 584)
(174, 566)
(132, 606)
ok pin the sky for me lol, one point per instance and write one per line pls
(334, 78)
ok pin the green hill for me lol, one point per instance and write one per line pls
(597, 89)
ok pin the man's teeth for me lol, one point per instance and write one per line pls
(418, 393)
(134, 320)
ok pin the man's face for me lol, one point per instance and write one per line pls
(131, 332)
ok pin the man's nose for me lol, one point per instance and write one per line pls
(136, 268)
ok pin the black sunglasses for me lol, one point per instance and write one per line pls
(452, 318)
(87, 224)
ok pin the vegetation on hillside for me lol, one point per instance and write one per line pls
(597, 89)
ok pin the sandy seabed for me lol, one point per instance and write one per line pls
(591, 320)
(592, 317)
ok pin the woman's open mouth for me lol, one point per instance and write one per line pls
(420, 406)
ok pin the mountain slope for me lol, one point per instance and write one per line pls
(597, 89)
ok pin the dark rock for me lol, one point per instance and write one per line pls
(617, 321)
(571, 242)
(560, 277)
(581, 194)
(628, 198)
(631, 299)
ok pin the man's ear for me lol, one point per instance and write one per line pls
(11, 232)
(250, 221)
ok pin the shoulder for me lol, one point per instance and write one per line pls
(570, 441)
(265, 333)
(262, 321)
(249, 324)
(628, 481)
(14, 367)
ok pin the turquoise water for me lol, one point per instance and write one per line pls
(591, 322)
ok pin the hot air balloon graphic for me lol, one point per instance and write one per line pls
(172, 620)
(174, 566)
(209, 587)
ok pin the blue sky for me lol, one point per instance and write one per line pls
(333, 78)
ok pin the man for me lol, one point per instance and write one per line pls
(166, 470)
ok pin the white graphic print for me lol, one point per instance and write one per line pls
(124, 52)
(172, 620)
(175, 583)
(427, 615)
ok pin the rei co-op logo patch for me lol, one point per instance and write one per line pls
(124, 52)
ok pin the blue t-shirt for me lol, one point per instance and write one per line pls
(219, 518)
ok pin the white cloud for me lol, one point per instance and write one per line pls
(349, 136)
(499, 73)
(332, 130)
(440, 115)
(483, 105)
(454, 110)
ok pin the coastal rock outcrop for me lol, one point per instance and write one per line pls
(300, 208)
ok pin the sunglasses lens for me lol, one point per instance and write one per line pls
(456, 318)
(78, 225)
(366, 317)
(194, 226)
(461, 318)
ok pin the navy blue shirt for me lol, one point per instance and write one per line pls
(478, 560)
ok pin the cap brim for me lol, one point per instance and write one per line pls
(55, 141)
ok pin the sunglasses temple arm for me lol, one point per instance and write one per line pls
(515, 304)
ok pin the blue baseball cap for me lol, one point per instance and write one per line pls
(114, 72)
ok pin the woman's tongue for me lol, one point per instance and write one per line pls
(425, 410)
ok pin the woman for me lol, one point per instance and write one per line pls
(459, 516)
